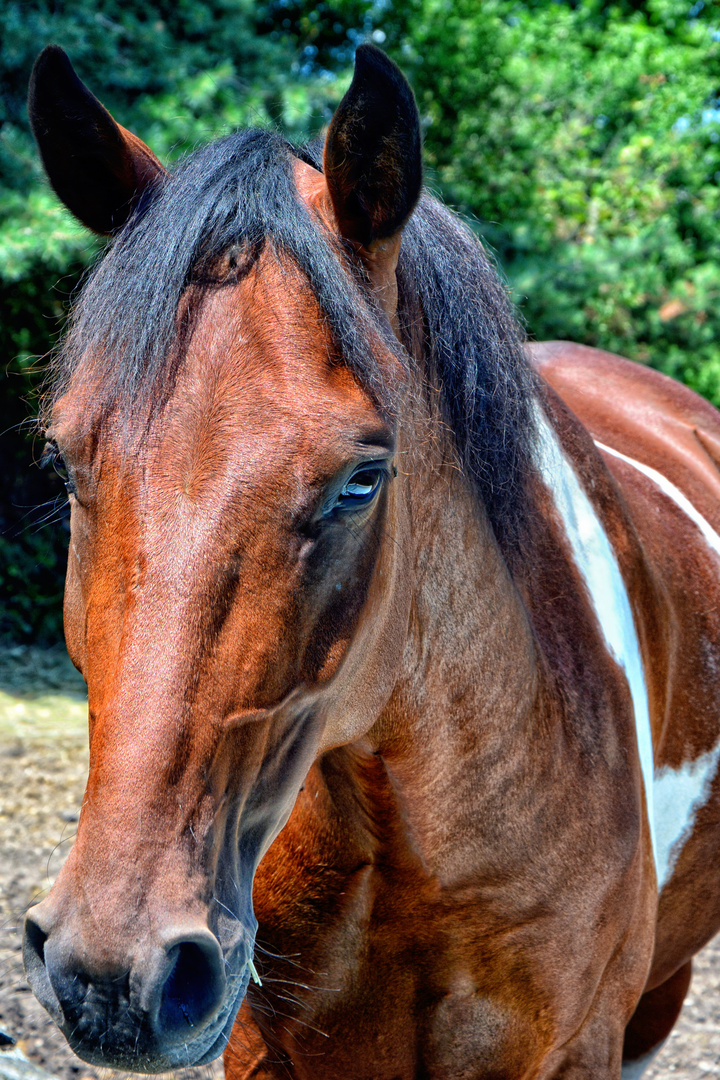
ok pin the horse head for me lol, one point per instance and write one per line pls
(226, 410)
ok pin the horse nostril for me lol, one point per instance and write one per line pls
(34, 939)
(194, 989)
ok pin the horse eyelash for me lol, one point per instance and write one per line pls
(48, 455)
(51, 455)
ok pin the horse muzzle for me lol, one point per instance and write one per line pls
(172, 1006)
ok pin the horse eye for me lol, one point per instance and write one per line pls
(360, 489)
(52, 456)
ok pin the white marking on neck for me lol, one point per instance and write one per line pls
(679, 793)
(598, 565)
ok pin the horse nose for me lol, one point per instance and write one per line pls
(174, 991)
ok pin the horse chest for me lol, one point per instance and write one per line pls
(378, 990)
(375, 972)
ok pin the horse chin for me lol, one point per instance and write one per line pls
(201, 1050)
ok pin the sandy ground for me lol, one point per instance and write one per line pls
(43, 766)
(43, 762)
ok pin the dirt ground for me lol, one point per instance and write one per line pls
(43, 762)
(43, 765)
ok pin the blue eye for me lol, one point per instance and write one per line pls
(361, 488)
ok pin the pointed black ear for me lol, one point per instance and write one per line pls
(372, 158)
(97, 168)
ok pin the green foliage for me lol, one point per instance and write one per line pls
(32, 556)
(585, 140)
(581, 137)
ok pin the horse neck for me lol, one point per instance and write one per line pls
(470, 644)
(469, 687)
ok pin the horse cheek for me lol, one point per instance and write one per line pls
(366, 679)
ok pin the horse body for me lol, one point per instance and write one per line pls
(397, 663)
(661, 442)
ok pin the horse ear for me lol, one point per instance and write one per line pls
(372, 159)
(97, 168)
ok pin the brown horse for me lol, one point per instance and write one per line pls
(344, 564)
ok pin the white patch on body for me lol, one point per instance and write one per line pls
(633, 1070)
(596, 562)
(679, 793)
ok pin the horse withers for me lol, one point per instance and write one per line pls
(403, 677)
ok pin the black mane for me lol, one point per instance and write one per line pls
(240, 192)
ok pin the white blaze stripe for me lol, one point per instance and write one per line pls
(679, 793)
(596, 562)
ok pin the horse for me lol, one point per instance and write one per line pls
(401, 636)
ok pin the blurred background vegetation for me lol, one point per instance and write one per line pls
(581, 138)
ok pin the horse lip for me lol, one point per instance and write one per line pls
(207, 1046)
